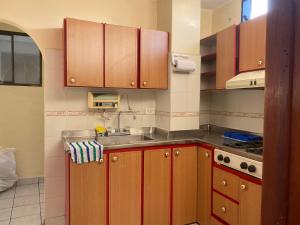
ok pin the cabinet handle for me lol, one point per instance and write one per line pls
(72, 80)
(167, 154)
(114, 159)
(101, 161)
(132, 83)
(144, 83)
(206, 155)
(260, 62)
(223, 209)
(243, 187)
(177, 153)
(224, 183)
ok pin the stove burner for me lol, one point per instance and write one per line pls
(251, 147)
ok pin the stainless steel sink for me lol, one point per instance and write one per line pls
(122, 140)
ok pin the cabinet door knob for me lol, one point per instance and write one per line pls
(114, 159)
(167, 154)
(72, 80)
(224, 183)
(132, 83)
(223, 209)
(177, 153)
(101, 161)
(243, 187)
(144, 83)
(206, 155)
(260, 62)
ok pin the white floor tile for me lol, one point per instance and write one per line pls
(27, 220)
(26, 200)
(6, 203)
(56, 221)
(5, 214)
(41, 187)
(8, 194)
(42, 198)
(30, 189)
(6, 222)
(27, 210)
(26, 181)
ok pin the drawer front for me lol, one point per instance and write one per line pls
(225, 209)
(226, 183)
(214, 221)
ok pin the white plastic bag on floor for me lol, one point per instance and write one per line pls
(8, 176)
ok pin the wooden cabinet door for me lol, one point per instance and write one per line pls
(184, 185)
(157, 187)
(250, 203)
(121, 56)
(253, 44)
(204, 186)
(154, 46)
(125, 188)
(83, 53)
(87, 193)
(226, 56)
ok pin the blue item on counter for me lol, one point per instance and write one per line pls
(243, 137)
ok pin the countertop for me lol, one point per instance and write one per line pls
(161, 138)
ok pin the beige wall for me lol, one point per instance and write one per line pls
(206, 22)
(21, 127)
(226, 15)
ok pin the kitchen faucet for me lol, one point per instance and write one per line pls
(119, 117)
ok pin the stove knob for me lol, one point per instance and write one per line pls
(220, 157)
(226, 159)
(244, 165)
(251, 168)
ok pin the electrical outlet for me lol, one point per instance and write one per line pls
(150, 110)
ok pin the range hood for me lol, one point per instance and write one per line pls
(254, 79)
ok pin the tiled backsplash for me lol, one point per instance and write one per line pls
(237, 109)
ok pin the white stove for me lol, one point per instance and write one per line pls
(240, 163)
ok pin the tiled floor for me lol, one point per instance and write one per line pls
(23, 204)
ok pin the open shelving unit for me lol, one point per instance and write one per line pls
(208, 63)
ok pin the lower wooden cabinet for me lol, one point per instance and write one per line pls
(204, 186)
(157, 187)
(214, 221)
(87, 193)
(250, 203)
(184, 185)
(125, 182)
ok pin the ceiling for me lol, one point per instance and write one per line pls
(212, 4)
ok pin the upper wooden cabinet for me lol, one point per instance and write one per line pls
(87, 193)
(226, 56)
(184, 185)
(250, 203)
(204, 186)
(125, 175)
(121, 57)
(154, 47)
(157, 187)
(83, 53)
(253, 44)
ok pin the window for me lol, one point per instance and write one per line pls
(20, 60)
(253, 8)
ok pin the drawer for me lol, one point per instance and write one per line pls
(214, 221)
(225, 209)
(226, 183)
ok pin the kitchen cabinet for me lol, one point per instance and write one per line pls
(125, 172)
(226, 56)
(252, 54)
(250, 203)
(157, 186)
(87, 191)
(184, 185)
(204, 186)
(121, 56)
(215, 221)
(154, 47)
(83, 53)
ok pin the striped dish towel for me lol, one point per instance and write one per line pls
(86, 151)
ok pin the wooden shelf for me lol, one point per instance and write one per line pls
(210, 40)
(209, 58)
(209, 73)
